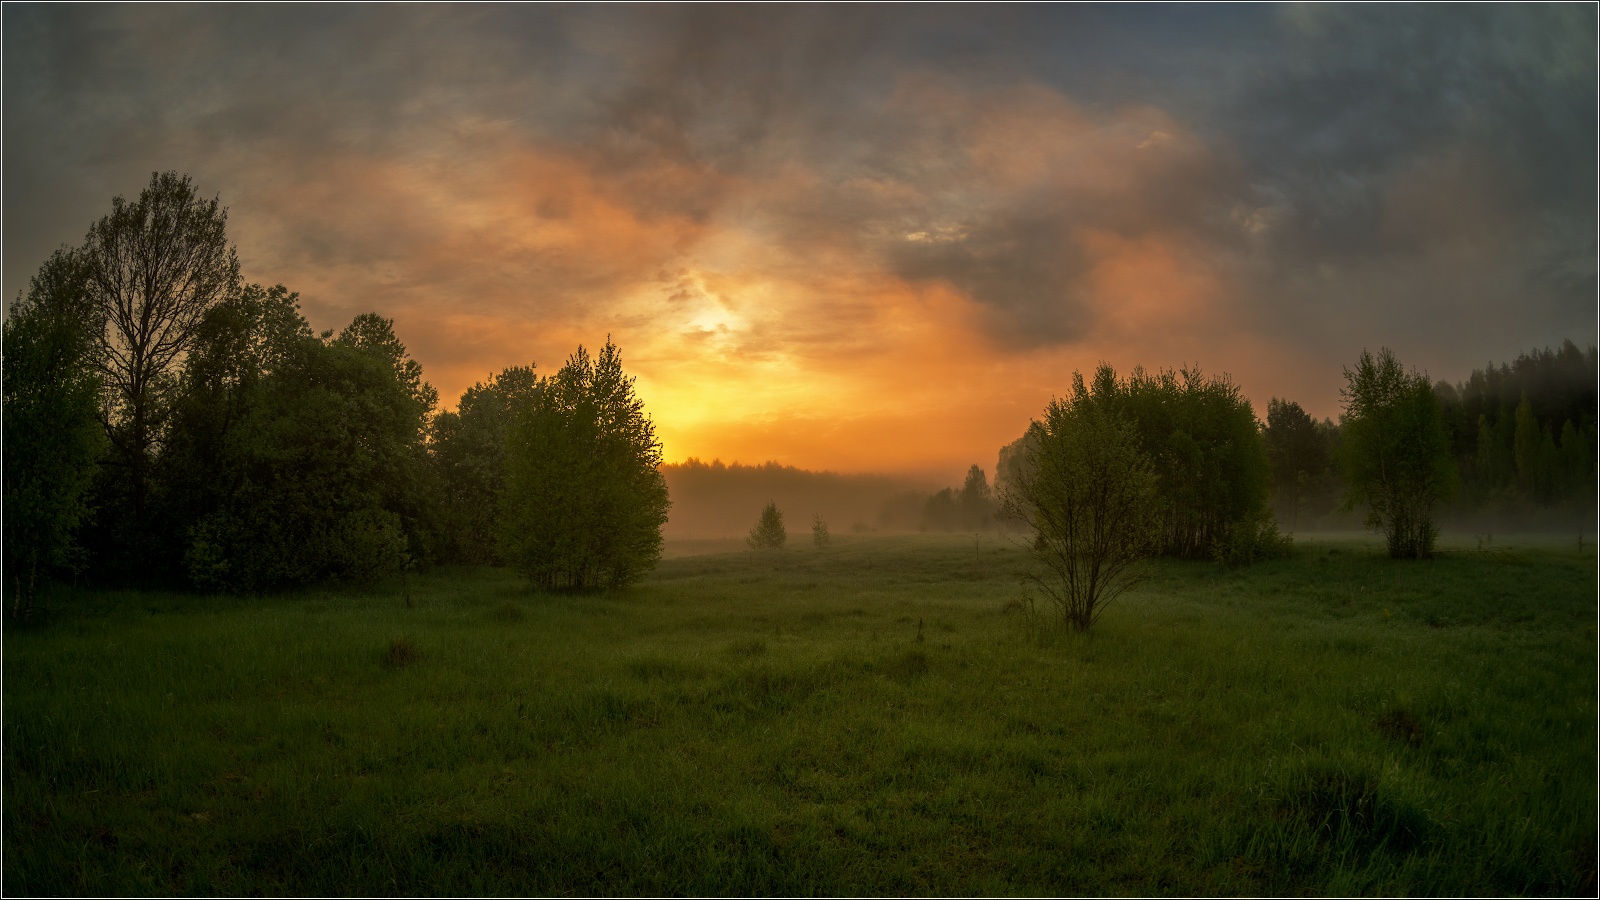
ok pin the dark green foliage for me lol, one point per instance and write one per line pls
(155, 267)
(1210, 460)
(584, 498)
(1523, 435)
(410, 488)
(768, 533)
(1201, 436)
(1300, 451)
(295, 458)
(1396, 453)
(469, 455)
(53, 436)
(1089, 493)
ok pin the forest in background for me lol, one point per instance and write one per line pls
(166, 422)
(1522, 435)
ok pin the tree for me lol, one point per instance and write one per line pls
(312, 478)
(584, 497)
(975, 499)
(819, 531)
(1298, 453)
(1396, 452)
(53, 438)
(154, 269)
(469, 455)
(941, 511)
(1212, 472)
(768, 533)
(1089, 492)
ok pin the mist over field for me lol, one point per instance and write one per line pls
(736, 450)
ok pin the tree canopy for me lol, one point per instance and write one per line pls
(584, 498)
(1090, 493)
(1396, 453)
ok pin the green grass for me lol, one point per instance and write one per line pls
(882, 716)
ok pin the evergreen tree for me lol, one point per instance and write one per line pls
(768, 534)
(976, 499)
(819, 531)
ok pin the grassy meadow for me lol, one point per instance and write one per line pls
(883, 716)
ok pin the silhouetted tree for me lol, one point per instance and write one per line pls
(768, 533)
(154, 268)
(1505, 425)
(976, 499)
(941, 511)
(1300, 454)
(1090, 494)
(469, 454)
(53, 436)
(584, 497)
(1396, 452)
(819, 531)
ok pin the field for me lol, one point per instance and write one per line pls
(884, 716)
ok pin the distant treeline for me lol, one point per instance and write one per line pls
(1522, 436)
(723, 500)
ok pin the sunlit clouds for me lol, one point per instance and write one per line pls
(860, 239)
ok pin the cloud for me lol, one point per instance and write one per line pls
(912, 223)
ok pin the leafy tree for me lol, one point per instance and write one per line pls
(1396, 452)
(1299, 452)
(411, 489)
(769, 533)
(1210, 458)
(1090, 493)
(584, 497)
(976, 499)
(154, 268)
(52, 433)
(293, 455)
(819, 531)
(469, 455)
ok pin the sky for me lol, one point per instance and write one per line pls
(859, 238)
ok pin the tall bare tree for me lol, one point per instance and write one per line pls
(155, 266)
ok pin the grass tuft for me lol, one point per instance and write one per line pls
(401, 653)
